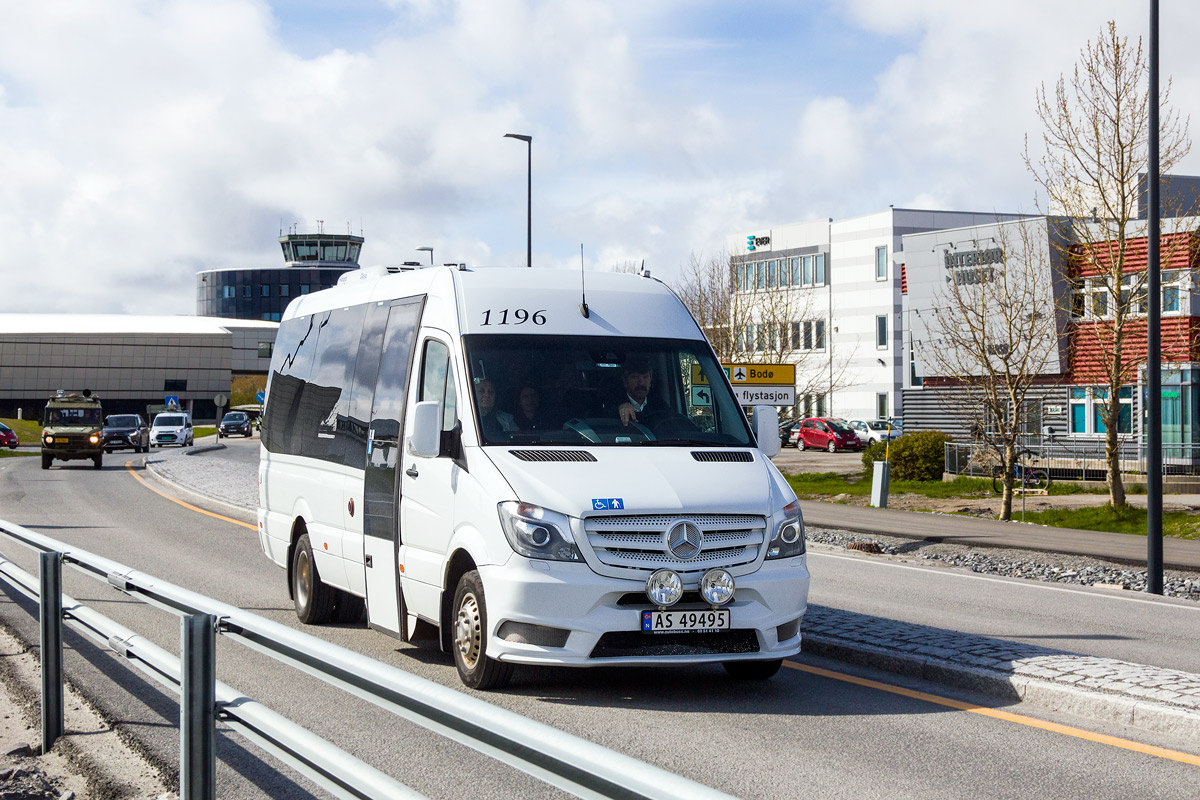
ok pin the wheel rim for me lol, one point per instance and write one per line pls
(832, 447)
(468, 631)
(303, 578)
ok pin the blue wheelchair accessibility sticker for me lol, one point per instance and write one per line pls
(608, 504)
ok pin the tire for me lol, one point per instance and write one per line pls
(313, 599)
(46, 461)
(832, 447)
(98, 460)
(752, 670)
(1038, 479)
(470, 637)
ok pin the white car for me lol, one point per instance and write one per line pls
(874, 430)
(171, 427)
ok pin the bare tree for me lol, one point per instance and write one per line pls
(1096, 139)
(992, 332)
(777, 324)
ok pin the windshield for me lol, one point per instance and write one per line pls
(73, 416)
(169, 421)
(877, 425)
(121, 421)
(838, 425)
(234, 416)
(577, 390)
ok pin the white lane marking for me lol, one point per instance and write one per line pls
(954, 572)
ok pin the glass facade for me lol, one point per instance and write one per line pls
(263, 293)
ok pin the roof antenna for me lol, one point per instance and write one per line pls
(583, 309)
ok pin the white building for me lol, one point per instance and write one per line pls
(848, 278)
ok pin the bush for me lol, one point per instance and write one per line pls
(916, 456)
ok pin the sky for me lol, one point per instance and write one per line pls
(142, 141)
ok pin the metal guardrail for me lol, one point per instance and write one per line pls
(575, 765)
(1074, 460)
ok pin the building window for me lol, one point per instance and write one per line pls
(795, 272)
(264, 290)
(304, 288)
(820, 405)
(881, 331)
(819, 335)
(246, 290)
(1089, 404)
(795, 343)
(881, 270)
(284, 290)
(808, 270)
(265, 349)
(770, 274)
(174, 385)
(881, 405)
(819, 269)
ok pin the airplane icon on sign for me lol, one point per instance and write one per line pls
(739, 374)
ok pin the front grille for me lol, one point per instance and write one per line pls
(624, 644)
(637, 542)
(553, 455)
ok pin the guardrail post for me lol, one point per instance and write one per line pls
(50, 602)
(198, 708)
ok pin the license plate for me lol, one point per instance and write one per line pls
(701, 621)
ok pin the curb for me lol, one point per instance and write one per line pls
(1099, 705)
(208, 500)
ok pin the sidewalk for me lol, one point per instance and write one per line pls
(1162, 700)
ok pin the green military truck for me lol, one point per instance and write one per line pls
(72, 428)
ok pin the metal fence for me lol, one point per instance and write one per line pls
(575, 765)
(1073, 460)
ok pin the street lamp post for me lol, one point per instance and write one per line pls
(430, 251)
(528, 197)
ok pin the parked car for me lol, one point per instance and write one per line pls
(8, 437)
(785, 432)
(171, 427)
(235, 422)
(874, 430)
(793, 437)
(826, 433)
(126, 432)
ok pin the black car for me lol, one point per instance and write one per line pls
(235, 422)
(126, 432)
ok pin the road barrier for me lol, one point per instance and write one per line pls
(575, 765)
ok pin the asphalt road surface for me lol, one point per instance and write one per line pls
(798, 734)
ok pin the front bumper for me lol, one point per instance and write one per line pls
(602, 630)
(123, 441)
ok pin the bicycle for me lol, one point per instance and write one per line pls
(1024, 478)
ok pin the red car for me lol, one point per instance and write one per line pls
(827, 434)
(8, 437)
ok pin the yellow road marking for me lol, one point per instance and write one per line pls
(188, 506)
(1007, 716)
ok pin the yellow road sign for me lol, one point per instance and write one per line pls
(772, 374)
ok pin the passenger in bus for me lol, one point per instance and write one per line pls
(529, 415)
(492, 421)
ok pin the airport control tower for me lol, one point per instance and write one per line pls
(312, 261)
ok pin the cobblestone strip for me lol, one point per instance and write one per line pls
(1004, 659)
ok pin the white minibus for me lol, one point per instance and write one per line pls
(526, 474)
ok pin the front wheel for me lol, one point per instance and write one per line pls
(98, 460)
(1037, 479)
(832, 446)
(752, 670)
(475, 669)
(46, 461)
(313, 599)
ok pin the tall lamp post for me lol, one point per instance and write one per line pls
(429, 250)
(528, 197)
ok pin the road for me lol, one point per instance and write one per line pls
(800, 733)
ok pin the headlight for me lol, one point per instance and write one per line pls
(789, 536)
(94, 438)
(664, 588)
(536, 532)
(48, 439)
(716, 587)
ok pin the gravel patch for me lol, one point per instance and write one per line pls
(1012, 563)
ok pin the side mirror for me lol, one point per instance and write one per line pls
(766, 429)
(426, 430)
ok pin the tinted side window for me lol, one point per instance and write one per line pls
(290, 366)
(437, 382)
(326, 401)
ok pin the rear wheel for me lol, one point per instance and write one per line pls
(314, 600)
(752, 670)
(475, 669)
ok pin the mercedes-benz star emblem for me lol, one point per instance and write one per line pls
(684, 540)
